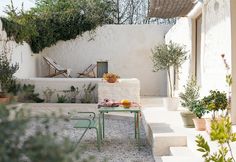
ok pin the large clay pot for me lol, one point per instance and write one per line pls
(187, 117)
(4, 100)
(200, 124)
(171, 103)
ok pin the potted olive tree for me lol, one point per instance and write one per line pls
(6, 76)
(187, 99)
(165, 57)
(216, 102)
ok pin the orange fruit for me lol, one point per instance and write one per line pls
(126, 103)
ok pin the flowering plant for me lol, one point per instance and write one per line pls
(228, 78)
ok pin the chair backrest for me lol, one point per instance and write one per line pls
(53, 64)
(90, 68)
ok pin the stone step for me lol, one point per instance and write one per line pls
(163, 141)
(179, 159)
(183, 151)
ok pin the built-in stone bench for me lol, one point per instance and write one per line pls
(123, 89)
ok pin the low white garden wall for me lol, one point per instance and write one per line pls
(58, 108)
(124, 89)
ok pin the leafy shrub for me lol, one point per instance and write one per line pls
(72, 93)
(88, 93)
(28, 95)
(44, 145)
(48, 94)
(50, 21)
(62, 98)
(215, 101)
(221, 132)
(6, 72)
(190, 94)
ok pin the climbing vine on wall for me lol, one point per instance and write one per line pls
(53, 20)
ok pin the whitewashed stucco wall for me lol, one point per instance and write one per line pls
(216, 40)
(21, 54)
(127, 48)
(181, 33)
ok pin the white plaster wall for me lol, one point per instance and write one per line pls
(181, 33)
(21, 54)
(127, 48)
(216, 39)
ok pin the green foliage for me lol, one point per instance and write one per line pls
(166, 56)
(28, 94)
(62, 98)
(51, 21)
(215, 101)
(198, 108)
(6, 73)
(43, 145)
(13, 87)
(221, 132)
(48, 94)
(190, 94)
(88, 93)
(72, 93)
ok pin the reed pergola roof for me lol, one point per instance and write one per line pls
(170, 8)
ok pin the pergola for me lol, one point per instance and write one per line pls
(170, 8)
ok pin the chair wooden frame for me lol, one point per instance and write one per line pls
(58, 70)
(89, 71)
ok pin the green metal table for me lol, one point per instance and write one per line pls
(135, 110)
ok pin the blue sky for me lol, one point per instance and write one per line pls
(17, 3)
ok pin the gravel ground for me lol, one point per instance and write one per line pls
(119, 144)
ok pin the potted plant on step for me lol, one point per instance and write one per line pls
(216, 102)
(165, 57)
(6, 76)
(187, 100)
(199, 110)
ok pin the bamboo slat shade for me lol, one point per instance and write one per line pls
(170, 8)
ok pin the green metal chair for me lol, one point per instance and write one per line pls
(87, 123)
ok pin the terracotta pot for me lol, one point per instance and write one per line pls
(187, 117)
(4, 100)
(111, 80)
(200, 124)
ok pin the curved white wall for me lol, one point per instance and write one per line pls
(21, 54)
(127, 48)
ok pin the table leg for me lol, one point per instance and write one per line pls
(135, 126)
(138, 130)
(103, 125)
(100, 126)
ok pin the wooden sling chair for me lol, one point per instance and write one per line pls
(88, 72)
(58, 70)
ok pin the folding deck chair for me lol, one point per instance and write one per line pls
(88, 72)
(58, 70)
